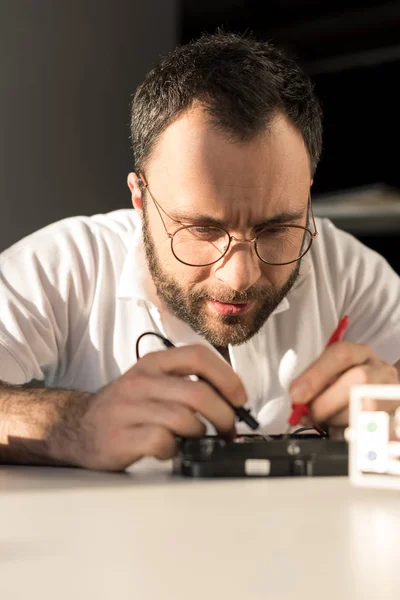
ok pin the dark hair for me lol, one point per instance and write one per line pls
(242, 83)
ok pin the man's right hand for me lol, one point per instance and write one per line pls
(142, 412)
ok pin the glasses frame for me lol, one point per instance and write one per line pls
(143, 183)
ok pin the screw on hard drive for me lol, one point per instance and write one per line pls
(207, 447)
(293, 449)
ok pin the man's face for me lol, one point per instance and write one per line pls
(196, 173)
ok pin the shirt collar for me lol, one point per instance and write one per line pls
(136, 281)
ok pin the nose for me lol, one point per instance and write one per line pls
(240, 268)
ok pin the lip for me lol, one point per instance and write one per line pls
(224, 308)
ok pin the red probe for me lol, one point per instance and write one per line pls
(301, 410)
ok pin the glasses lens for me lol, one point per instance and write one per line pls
(283, 244)
(199, 246)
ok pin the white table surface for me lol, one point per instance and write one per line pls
(72, 534)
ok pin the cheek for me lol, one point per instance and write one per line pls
(276, 276)
(184, 275)
(192, 276)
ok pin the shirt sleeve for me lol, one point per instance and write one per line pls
(46, 285)
(368, 291)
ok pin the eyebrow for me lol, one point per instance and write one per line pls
(195, 217)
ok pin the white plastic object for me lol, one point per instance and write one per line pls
(374, 454)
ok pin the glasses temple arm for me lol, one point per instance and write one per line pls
(158, 207)
(312, 217)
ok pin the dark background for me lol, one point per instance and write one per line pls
(352, 51)
(68, 69)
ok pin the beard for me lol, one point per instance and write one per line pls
(190, 305)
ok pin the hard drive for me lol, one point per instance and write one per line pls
(252, 456)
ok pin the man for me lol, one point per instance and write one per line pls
(221, 255)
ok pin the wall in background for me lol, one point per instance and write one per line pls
(68, 70)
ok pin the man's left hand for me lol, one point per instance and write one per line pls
(325, 384)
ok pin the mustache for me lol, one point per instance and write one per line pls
(233, 297)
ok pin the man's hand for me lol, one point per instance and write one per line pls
(325, 384)
(142, 412)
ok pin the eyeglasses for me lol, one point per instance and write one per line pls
(201, 246)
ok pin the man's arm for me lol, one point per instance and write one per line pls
(40, 426)
(139, 414)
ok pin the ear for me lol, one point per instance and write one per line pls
(135, 184)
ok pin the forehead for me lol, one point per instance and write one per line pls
(196, 167)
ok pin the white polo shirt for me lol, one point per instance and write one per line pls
(75, 296)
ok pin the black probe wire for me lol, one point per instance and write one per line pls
(243, 414)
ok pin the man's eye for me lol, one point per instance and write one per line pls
(207, 233)
(201, 230)
(275, 231)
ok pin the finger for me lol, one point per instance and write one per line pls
(338, 421)
(334, 361)
(197, 396)
(375, 404)
(197, 360)
(336, 397)
(133, 444)
(173, 416)
(149, 440)
(338, 432)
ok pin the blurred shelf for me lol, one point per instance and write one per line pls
(367, 210)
